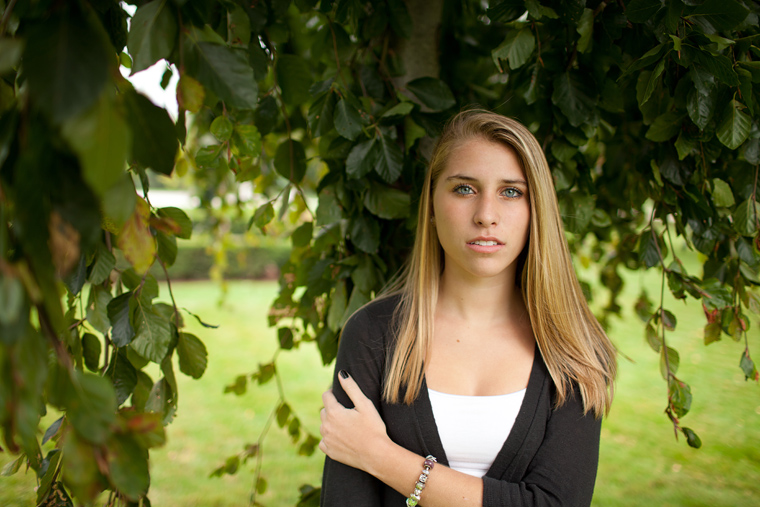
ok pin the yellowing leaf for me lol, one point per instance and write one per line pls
(190, 94)
(136, 241)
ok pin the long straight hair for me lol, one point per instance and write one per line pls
(574, 346)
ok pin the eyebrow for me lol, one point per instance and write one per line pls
(470, 178)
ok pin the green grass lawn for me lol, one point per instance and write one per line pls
(641, 463)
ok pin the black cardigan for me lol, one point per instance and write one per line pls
(549, 458)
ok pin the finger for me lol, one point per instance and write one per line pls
(329, 400)
(352, 389)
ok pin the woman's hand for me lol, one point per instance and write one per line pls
(351, 436)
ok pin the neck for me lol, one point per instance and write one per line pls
(479, 299)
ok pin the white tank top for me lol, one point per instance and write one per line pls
(473, 428)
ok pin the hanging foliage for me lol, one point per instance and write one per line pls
(647, 110)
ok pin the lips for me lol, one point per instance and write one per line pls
(485, 245)
(485, 242)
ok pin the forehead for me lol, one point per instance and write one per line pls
(481, 158)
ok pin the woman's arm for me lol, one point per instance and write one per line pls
(562, 472)
(358, 351)
(357, 437)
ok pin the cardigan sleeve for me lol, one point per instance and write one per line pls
(563, 471)
(361, 354)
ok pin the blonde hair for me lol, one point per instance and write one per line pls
(574, 346)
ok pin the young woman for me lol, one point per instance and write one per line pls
(484, 355)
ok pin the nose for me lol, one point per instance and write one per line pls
(486, 213)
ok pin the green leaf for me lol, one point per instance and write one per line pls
(91, 350)
(11, 299)
(262, 216)
(152, 34)
(290, 160)
(665, 127)
(283, 413)
(748, 366)
(570, 97)
(192, 355)
(261, 485)
(294, 79)
(302, 235)
(734, 125)
(102, 140)
(226, 72)
(400, 109)
(716, 295)
(412, 132)
(160, 399)
(65, 64)
(118, 204)
(246, 141)
(641, 11)
(329, 209)
(391, 159)
(722, 197)
(516, 48)
(122, 375)
(10, 54)
(719, 66)
(122, 332)
(321, 115)
(386, 202)
(685, 145)
(190, 94)
(152, 334)
(348, 122)
(652, 81)
(365, 233)
(648, 249)
(221, 127)
(746, 218)
(680, 396)
(673, 360)
(92, 407)
(363, 158)
(701, 107)
(433, 93)
(577, 209)
(718, 15)
(364, 274)
(692, 438)
(102, 266)
(337, 308)
(711, 332)
(154, 142)
(668, 320)
(285, 338)
(238, 27)
(12, 467)
(128, 466)
(505, 11)
(586, 30)
(180, 218)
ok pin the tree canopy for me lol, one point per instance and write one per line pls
(647, 110)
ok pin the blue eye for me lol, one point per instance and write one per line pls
(511, 192)
(463, 190)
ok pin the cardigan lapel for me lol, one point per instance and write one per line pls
(426, 427)
(506, 459)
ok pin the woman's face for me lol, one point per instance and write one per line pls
(482, 210)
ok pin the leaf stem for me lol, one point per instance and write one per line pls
(6, 17)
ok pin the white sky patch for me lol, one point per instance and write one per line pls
(148, 81)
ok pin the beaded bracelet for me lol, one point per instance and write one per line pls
(427, 466)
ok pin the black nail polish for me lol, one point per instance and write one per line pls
(343, 374)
